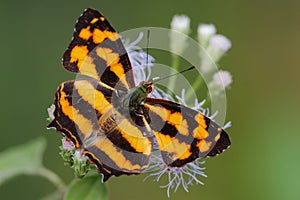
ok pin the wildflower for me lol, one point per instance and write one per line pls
(221, 80)
(197, 104)
(67, 144)
(218, 46)
(67, 150)
(213, 47)
(205, 32)
(184, 176)
(81, 164)
(74, 158)
(181, 23)
(180, 28)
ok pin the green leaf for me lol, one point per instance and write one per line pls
(87, 188)
(21, 159)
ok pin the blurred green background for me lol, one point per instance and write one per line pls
(263, 103)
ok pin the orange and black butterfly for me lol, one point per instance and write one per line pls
(104, 113)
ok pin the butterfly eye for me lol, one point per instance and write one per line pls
(149, 89)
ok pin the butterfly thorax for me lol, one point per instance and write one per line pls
(136, 96)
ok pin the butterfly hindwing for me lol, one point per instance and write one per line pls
(78, 103)
(85, 114)
(122, 148)
(96, 50)
(184, 134)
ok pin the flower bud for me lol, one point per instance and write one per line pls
(205, 32)
(218, 46)
(180, 28)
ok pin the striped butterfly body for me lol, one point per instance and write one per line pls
(113, 120)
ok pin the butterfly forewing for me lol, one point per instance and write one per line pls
(96, 50)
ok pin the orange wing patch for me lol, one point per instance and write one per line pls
(176, 149)
(173, 118)
(78, 54)
(85, 33)
(99, 36)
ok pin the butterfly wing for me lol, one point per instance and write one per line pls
(81, 107)
(184, 134)
(96, 50)
(78, 103)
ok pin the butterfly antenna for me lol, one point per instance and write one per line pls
(147, 50)
(180, 72)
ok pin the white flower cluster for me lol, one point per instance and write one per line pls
(213, 48)
(215, 45)
(185, 175)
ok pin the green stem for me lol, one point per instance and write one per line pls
(175, 66)
(195, 87)
(51, 176)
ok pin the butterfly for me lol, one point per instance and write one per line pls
(113, 120)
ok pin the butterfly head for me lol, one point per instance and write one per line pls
(136, 96)
(146, 86)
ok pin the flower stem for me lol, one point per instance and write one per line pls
(51, 176)
(195, 87)
(175, 65)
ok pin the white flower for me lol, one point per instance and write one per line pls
(181, 23)
(218, 46)
(197, 104)
(180, 28)
(221, 42)
(222, 78)
(185, 176)
(205, 32)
